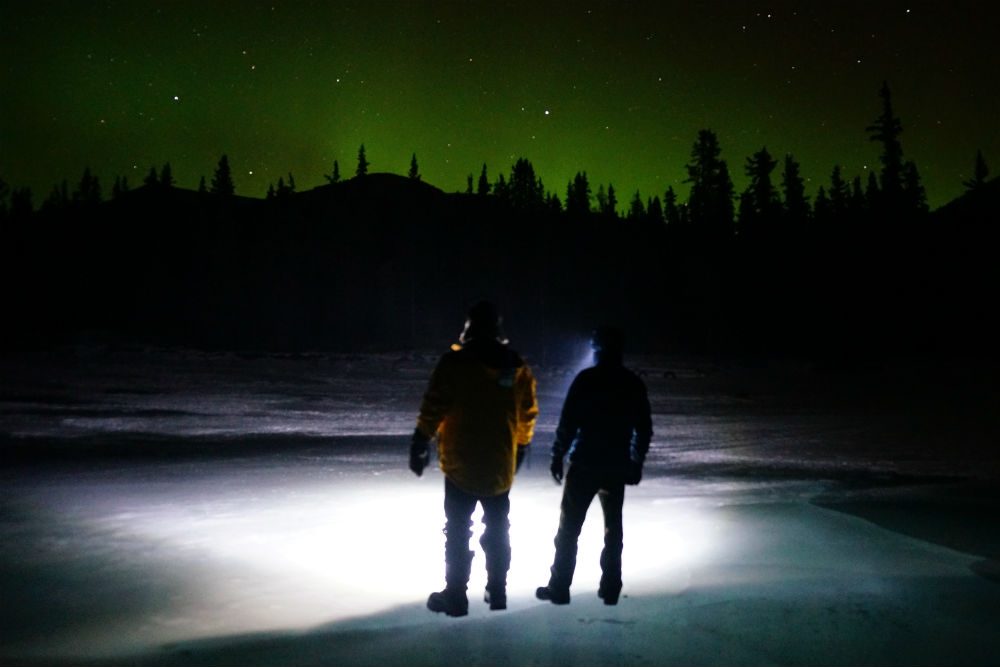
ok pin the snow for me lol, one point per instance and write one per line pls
(176, 507)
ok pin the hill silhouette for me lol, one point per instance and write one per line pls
(383, 261)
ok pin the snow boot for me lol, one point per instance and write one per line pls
(552, 594)
(451, 601)
(496, 599)
(609, 592)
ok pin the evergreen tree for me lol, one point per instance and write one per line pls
(202, 188)
(857, 203)
(166, 176)
(602, 200)
(839, 193)
(578, 195)
(291, 183)
(914, 194)
(116, 189)
(271, 194)
(710, 204)
(363, 162)
(500, 190)
(525, 190)
(552, 203)
(222, 182)
(88, 192)
(483, 187)
(335, 176)
(794, 189)
(414, 172)
(468, 185)
(636, 210)
(886, 130)
(612, 201)
(58, 199)
(151, 179)
(654, 211)
(980, 174)
(671, 212)
(759, 205)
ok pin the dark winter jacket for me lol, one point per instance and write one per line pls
(605, 422)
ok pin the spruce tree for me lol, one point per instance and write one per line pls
(839, 193)
(335, 176)
(166, 176)
(671, 213)
(759, 205)
(980, 174)
(151, 178)
(363, 163)
(578, 195)
(483, 187)
(710, 204)
(222, 181)
(886, 130)
(794, 189)
(414, 173)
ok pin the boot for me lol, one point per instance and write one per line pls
(496, 599)
(609, 591)
(451, 601)
(552, 594)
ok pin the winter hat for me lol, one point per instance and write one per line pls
(482, 322)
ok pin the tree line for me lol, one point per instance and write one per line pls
(768, 207)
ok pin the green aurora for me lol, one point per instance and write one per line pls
(618, 90)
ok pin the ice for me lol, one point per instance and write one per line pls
(177, 507)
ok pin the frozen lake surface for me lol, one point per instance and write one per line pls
(176, 507)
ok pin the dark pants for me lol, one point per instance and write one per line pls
(579, 489)
(458, 508)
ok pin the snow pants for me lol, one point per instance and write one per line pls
(579, 488)
(458, 508)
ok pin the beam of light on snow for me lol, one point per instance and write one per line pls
(366, 544)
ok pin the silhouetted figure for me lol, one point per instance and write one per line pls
(481, 405)
(606, 428)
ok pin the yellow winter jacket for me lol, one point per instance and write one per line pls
(481, 404)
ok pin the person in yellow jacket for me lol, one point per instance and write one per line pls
(481, 405)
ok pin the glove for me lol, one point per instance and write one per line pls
(419, 452)
(557, 468)
(522, 452)
(633, 473)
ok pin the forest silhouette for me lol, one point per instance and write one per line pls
(379, 261)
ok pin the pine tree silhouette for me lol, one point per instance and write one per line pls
(483, 187)
(759, 206)
(886, 130)
(151, 179)
(796, 205)
(166, 176)
(980, 174)
(363, 162)
(671, 212)
(578, 195)
(335, 176)
(222, 181)
(710, 204)
(414, 173)
(88, 192)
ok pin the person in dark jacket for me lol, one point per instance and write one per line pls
(606, 428)
(481, 405)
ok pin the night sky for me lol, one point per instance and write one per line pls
(618, 90)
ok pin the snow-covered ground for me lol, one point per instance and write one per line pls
(174, 507)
